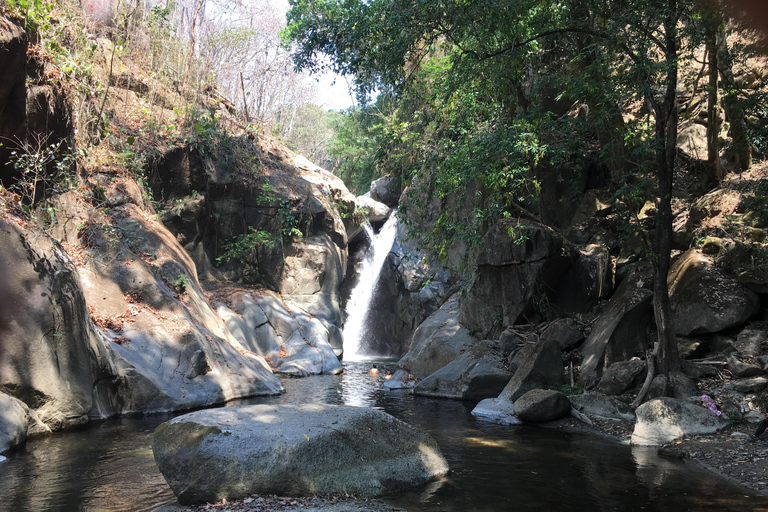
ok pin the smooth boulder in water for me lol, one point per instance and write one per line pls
(293, 450)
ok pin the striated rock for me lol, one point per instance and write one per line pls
(621, 376)
(498, 410)
(542, 405)
(538, 365)
(474, 375)
(231, 453)
(51, 356)
(602, 406)
(169, 347)
(662, 420)
(704, 300)
(437, 341)
(620, 331)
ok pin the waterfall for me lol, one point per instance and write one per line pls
(355, 331)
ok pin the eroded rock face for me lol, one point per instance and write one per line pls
(539, 365)
(516, 263)
(474, 375)
(292, 450)
(437, 341)
(51, 355)
(620, 331)
(662, 420)
(704, 300)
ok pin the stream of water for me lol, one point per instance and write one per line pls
(358, 306)
(109, 466)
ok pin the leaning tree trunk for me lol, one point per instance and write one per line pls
(733, 110)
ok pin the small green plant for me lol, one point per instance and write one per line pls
(181, 284)
(35, 13)
(239, 247)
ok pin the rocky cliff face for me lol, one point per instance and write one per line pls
(115, 295)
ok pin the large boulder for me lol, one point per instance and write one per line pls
(663, 420)
(517, 264)
(437, 341)
(692, 141)
(538, 365)
(234, 452)
(13, 423)
(619, 377)
(51, 355)
(620, 331)
(564, 331)
(377, 211)
(474, 375)
(704, 300)
(542, 405)
(386, 190)
(602, 406)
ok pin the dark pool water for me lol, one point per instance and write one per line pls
(109, 466)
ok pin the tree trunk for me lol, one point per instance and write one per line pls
(666, 134)
(738, 127)
(712, 21)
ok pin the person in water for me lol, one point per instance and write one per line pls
(373, 371)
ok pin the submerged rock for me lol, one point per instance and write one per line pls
(499, 410)
(662, 420)
(294, 450)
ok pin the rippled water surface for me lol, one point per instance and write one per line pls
(109, 466)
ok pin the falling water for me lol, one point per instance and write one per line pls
(355, 331)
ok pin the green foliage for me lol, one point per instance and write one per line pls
(240, 247)
(35, 13)
(181, 284)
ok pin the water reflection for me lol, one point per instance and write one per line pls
(109, 467)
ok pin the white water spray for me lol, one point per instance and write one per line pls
(359, 303)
